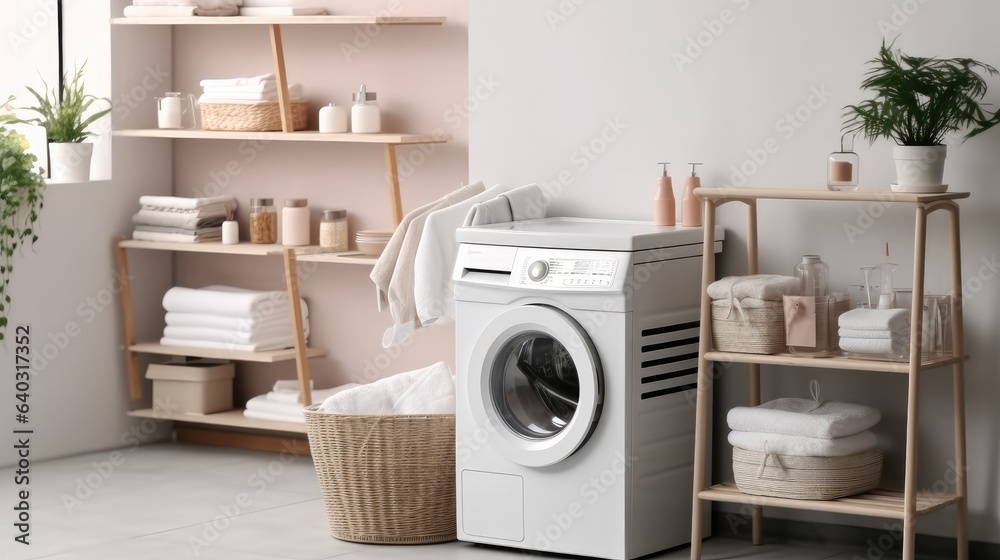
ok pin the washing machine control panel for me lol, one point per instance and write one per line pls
(561, 270)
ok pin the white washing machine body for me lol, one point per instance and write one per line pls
(577, 347)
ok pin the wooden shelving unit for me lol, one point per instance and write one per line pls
(907, 505)
(230, 419)
(282, 20)
(265, 357)
(297, 136)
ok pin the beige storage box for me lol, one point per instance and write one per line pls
(198, 386)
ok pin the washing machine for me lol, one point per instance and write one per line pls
(577, 355)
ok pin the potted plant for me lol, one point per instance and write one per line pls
(65, 122)
(20, 201)
(918, 101)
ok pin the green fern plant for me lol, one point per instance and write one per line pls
(918, 101)
(66, 120)
(21, 185)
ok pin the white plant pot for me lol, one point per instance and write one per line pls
(70, 162)
(920, 168)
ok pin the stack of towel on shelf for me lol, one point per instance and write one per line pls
(243, 90)
(284, 403)
(875, 331)
(183, 8)
(230, 318)
(804, 427)
(429, 390)
(256, 8)
(179, 219)
(413, 274)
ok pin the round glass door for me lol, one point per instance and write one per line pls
(535, 380)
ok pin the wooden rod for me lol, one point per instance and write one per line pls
(128, 322)
(301, 359)
(753, 267)
(284, 101)
(958, 391)
(392, 177)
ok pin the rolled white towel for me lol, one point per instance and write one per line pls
(804, 417)
(768, 287)
(894, 320)
(429, 390)
(804, 446)
(893, 346)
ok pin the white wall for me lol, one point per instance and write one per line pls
(591, 95)
(65, 288)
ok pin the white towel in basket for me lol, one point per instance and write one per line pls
(430, 390)
(781, 444)
(804, 417)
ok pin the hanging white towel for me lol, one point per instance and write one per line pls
(434, 263)
(527, 202)
(496, 211)
(804, 417)
(782, 444)
(429, 390)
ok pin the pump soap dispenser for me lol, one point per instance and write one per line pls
(691, 204)
(664, 213)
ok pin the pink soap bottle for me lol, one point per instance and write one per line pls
(691, 204)
(664, 213)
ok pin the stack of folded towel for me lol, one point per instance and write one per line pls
(242, 90)
(230, 318)
(256, 8)
(875, 331)
(183, 8)
(185, 220)
(429, 390)
(804, 427)
(284, 403)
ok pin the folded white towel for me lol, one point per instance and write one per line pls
(263, 403)
(187, 203)
(263, 87)
(233, 336)
(294, 92)
(179, 11)
(782, 444)
(429, 390)
(207, 230)
(895, 320)
(200, 3)
(898, 346)
(255, 80)
(280, 11)
(227, 301)
(262, 346)
(318, 395)
(288, 385)
(236, 324)
(177, 237)
(298, 418)
(804, 417)
(434, 262)
(496, 211)
(178, 219)
(861, 333)
(768, 287)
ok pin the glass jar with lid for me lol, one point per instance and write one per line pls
(263, 221)
(333, 230)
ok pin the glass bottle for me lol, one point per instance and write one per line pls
(813, 274)
(842, 168)
(263, 221)
(333, 230)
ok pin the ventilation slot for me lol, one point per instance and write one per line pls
(669, 375)
(670, 328)
(668, 358)
(670, 391)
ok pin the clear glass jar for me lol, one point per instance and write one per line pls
(842, 168)
(263, 221)
(812, 273)
(333, 230)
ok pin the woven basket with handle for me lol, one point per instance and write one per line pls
(754, 330)
(806, 478)
(386, 479)
(251, 116)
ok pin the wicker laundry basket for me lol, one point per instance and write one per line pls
(386, 479)
(806, 478)
(753, 330)
(251, 116)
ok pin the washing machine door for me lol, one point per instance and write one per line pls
(535, 380)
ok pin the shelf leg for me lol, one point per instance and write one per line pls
(392, 176)
(958, 380)
(128, 322)
(284, 103)
(757, 512)
(301, 360)
(913, 394)
(703, 406)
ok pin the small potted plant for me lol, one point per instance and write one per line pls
(21, 185)
(918, 101)
(65, 122)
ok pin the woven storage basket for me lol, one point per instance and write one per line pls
(755, 330)
(386, 479)
(806, 478)
(251, 116)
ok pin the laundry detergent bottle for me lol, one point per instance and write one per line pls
(664, 211)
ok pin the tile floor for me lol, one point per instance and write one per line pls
(159, 502)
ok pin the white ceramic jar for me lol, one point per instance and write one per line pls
(333, 118)
(366, 118)
(295, 222)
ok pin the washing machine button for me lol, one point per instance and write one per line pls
(538, 270)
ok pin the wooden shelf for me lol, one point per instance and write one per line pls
(735, 193)
(282, 20)
(297, 136)
(230, 418)
(244, 248)
(835, 362)
(877, 503)
(269, 356)
(350, 257)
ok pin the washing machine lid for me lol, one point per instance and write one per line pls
(583, 233)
